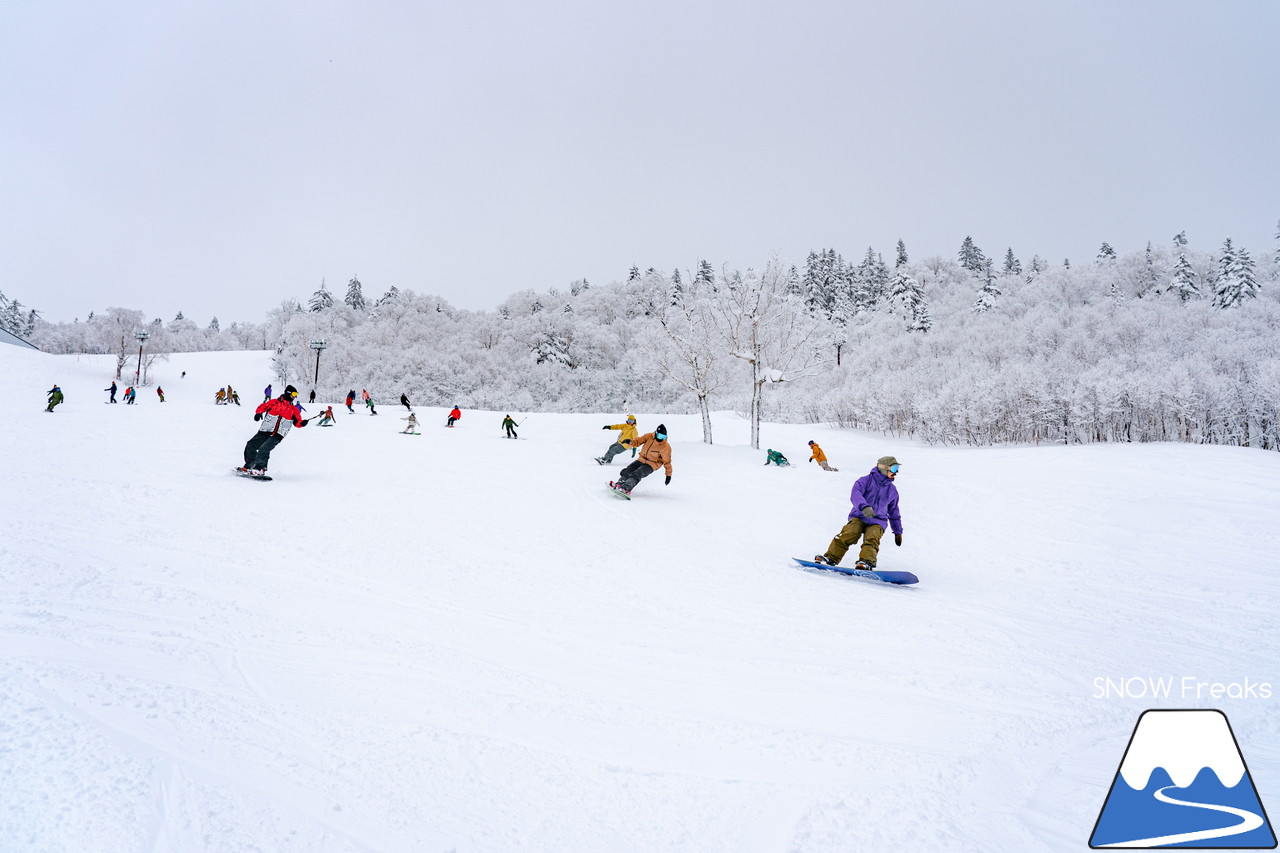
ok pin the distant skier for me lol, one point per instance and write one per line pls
(130, 396)
(776, 457)
(510, 426)
(327, 418)
(276, 417)
(404, 401)
(816, 455)
(219, 399)
(655, 453)
(112, 389)
(368, 401)
(160, 392)
(55, 397)
(184, 374)
(351, 398)
(454, 416)
(629, 432)
(312, 398)
(412, 428)
(266, 393)
(875, 507)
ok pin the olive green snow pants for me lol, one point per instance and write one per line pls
(848, 537)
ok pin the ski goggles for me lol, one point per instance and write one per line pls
(661, 436)
(893, 469)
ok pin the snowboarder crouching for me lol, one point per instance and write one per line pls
(629, 433)
(776, 457)
(818, 456)
(55, 397)
(875, 507)
(327, 418)
(276, 417)
(510, 426)
(655, 453)
(412, 428)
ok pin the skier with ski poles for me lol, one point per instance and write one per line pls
(510, 426)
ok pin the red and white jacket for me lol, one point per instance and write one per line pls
(279, 416)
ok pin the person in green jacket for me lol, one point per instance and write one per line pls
(776, 458)
(629, 433)
(55, 397)
(510, 426)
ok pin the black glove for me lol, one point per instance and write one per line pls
(305, 421)
(606, 426)
(868, 512)
(257, 416)
(668, 482)
(897, 539)
(810, 458)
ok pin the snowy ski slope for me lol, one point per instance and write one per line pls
(463, 643)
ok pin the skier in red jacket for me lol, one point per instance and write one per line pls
(276, 417)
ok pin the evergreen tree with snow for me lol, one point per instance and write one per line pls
(322, 299)
(908, 295)
(634, 274)
(1180, 240)
(355, 294)
(902, 255)
(704, 275)
(989, 293)
(1236, 280)
(971, 257)
(1038, 265)
(1184, 280)
(1012, 266)
(213, 325)
(1106, 254)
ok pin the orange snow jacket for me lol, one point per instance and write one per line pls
(818, 455)
(656, 454)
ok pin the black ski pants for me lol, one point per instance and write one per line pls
(633, 474)
(257, 451)
(511, 432)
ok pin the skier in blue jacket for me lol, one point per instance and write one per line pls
(875, 507)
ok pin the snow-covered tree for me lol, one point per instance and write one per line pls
(971, 257)
(355, 294)
(1236, 279)
(906, 293)
(1012, 266)
(690, 351)
(1106, 254)
(1183, 283)
(773, 334)
(322, 299)
(902, 255)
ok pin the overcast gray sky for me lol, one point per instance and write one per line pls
(218, 157)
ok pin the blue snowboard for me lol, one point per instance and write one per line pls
(869, 574)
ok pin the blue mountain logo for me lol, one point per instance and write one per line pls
(1183, 783)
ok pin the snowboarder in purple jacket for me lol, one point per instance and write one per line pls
(875, 507)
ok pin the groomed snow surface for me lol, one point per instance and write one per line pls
(457, 642)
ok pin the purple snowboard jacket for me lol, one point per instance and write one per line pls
(877, 491)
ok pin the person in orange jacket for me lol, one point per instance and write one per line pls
(819, 457)
(655, 453)
(454, 416)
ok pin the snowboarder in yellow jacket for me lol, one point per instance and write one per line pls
(629, 433)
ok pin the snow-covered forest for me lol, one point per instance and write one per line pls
(1167, 343)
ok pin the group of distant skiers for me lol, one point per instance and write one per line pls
(874, 497)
